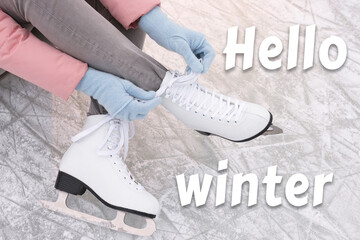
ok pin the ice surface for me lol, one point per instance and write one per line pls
(317, 109)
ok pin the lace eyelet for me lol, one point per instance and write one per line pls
(124, 177)
(219, 120)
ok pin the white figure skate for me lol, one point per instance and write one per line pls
(213, 113)
(93, 162)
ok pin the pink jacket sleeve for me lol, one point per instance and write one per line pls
(128, 12)
(22, 54)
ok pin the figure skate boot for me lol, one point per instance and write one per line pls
(209, 112)
(95, 162)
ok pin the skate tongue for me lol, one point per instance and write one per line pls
(118, 131)
(176, 79)
(90, 130)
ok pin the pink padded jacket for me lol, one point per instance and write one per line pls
(22, 54)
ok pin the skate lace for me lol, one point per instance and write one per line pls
(185, 90)
(115, 144)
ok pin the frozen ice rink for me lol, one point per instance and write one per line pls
(319, 111)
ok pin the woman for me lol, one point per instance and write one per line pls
(97, 51)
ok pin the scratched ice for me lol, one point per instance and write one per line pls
(318, 110)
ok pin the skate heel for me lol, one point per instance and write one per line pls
(66, 183)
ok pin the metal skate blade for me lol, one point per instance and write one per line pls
(117, 224)
(272, 130)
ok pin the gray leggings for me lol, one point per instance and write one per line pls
(88, 32)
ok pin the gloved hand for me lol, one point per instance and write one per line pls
(120, 97)
(188, 43)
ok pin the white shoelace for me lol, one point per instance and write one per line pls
(117, 137)
(185, 90)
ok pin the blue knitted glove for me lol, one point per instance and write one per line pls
(121, 98)
(190, 44)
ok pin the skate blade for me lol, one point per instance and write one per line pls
(117, 224)
(273, 130)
